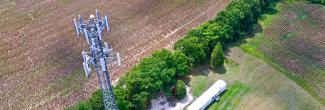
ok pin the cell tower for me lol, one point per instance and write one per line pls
(99, 55)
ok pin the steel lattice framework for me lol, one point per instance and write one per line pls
(99, 55)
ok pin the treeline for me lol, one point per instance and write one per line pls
(155, 74)
(235, 22)
(160, 72)
(317, 1)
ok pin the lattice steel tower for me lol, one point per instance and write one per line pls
(100, 54)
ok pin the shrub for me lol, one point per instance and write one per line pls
(180, 92)
(217, 56)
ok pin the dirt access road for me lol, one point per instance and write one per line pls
(40, 61)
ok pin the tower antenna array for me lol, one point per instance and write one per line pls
(99, 54)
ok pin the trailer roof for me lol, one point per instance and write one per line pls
(208, 94)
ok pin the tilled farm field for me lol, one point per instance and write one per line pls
(295, 38)
(40, 56)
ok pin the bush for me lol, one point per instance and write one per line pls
(180, 92)
(96, 100)
(217, 56)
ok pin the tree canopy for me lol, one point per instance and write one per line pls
(217, 56)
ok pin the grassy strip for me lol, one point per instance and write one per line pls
(253, 51)
(231, 98)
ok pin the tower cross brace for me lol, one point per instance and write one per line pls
(99, 54)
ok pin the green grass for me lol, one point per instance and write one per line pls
(200, 83)
(268, 17)
(252, 45)
(231, 98)
(268, 88)
(251, 49)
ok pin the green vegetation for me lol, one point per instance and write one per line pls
(193, 48)
(253, 51)
(152, 75)
(232, 24)
(262, 77)
(263, 47)
(82, 105)
(217, 56)
(317, 1)
(180, 92)
(201, 82)
(95, 102)
(231, 98)
(268, 88)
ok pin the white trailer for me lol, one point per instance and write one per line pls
(208, 96)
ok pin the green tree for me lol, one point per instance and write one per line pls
(180, 89)
(121, 98)
(164, 55)
(192, 48)
(217, 56)
(181, 63)
(96, 100)
(140, 100)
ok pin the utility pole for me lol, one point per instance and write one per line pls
(99, 54)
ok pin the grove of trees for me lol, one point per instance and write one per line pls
(160, 71)
(155, 74)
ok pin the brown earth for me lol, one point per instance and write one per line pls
(40, 57)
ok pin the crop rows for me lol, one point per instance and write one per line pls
(297, 30)
(295, 39)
